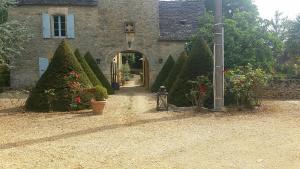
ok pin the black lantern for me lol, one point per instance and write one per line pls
(162, 99)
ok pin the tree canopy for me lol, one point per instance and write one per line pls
(13, 34)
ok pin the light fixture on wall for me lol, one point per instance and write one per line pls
(130, 33)
(160, 60)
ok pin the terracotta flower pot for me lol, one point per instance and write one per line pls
(98, 106)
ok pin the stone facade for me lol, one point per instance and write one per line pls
(98, 29)
(283, 89)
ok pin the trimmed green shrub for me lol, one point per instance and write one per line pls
(163, 74)
(4, 76)
(199, 63)
(100, 93)
(93, 65)
(93, 78)
(175, 71)
(59, 87)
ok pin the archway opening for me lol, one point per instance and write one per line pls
(130, 69)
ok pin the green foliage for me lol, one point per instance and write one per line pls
(200, 92)
(163, 74)
(13, 34)
(247, 38)
(244, 86)
(199, 63)
(100, 93)
(175, 71)
(66, 78)
(126, 71)
(93, 65)
(93, 78)
(4, 76)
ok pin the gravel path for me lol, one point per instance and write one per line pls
(131, 134)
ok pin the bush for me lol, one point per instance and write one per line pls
(163, 74)
(244, 86)
(61, 85)
(199, 63)
(175, 71)
(200, 92)
(4, 76)
(100, 93)
(91, 75)
(93, 65)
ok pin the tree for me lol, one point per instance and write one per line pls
(13, 34)
(163, 74)
(246, 40)
(98, 72)
(57, 79)
(199, 63)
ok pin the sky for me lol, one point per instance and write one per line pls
(267, 8)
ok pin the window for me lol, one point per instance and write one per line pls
(59, 27)
(98, 61)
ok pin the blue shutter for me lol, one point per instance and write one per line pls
(71, 26)
(43, 65)
(46, 26)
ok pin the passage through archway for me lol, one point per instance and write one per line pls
(130, 67)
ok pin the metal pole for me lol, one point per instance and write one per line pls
(218, 58)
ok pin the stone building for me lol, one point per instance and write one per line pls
(154, 28)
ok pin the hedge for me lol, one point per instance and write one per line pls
(54, 78)
(4, 75)
(163, 74)
(91, 75)
(93, 65)
(199, 62)
(175, 71)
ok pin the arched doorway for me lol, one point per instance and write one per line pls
(130, 66)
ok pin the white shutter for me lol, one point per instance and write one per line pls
(46, 26)
(43, 65)
(71, 26)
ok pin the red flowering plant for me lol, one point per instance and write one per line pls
(76, 88)
(200, 91)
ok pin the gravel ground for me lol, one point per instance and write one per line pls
(131, 134)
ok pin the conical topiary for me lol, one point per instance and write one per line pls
(175, 71)
(53, 90)
(163, 74)
(93, 65)
(89, 72)
(199, 62)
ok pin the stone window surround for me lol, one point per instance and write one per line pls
(56, 12)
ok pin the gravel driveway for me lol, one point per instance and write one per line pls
(131, 134)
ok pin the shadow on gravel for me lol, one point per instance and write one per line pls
(91, 131)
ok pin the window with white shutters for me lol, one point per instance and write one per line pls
(58, 26)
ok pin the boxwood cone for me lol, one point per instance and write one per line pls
(175, 71)
(92, 63)
(163, 74)
(199, 62)
(91, 75)
(62, 64)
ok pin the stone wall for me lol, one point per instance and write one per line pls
(283, 89)
(98, 29)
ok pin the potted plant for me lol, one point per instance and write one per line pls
(99, 101)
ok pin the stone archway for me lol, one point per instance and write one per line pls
(138, 64)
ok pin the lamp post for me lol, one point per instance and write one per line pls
(218, 58)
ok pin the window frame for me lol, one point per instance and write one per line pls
(59, 25)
